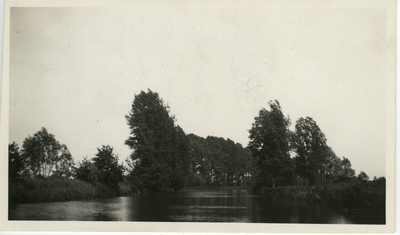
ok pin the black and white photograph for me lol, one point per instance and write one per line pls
(182, 116)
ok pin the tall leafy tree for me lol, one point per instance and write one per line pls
(16, 164)
(159, 150)
(269, 143)
(44, 155)
(312, 150)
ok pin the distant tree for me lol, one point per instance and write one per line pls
(86, 170)
(196, 152)
(44, 155)
(65, 166)
(199, 154)
(242, 165)
(363, 176)
(328, 167)
(179, 163)
(158, 145)
(347, 171)
(108, 169)
(380, 180)
(218, 157)
(269, 143)
(15, 162)
(219, 161)
(334, 167)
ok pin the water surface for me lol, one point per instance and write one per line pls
(230, 205)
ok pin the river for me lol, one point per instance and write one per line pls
(224, 205)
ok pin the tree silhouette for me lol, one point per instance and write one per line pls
(107, 167)
(44, 155)
(160, 150)
(269, 143)
(15, 162)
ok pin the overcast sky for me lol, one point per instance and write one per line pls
(76, 71)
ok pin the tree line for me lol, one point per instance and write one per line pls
(165, 158)
(216, 161)
(286, 157)
(42, 156)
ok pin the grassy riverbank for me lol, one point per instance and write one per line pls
(206, 187)
(353, 197)
(28, 190)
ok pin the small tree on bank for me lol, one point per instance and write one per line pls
(108, 170)
(103, 168)
(86, 170)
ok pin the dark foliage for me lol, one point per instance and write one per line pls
(270, 144)
(358, 196)
(107, 168)
(160, 152)
(32, 190)
(216, 161)
(15, 162)
(164, 158)
(86, 171)
(43, 156)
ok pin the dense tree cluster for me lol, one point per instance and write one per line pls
(313, 162)
(86, 170)
(41, 156)
(104, 168)
(164, 158)
(219, 162)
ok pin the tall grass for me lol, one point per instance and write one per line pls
(27, 190)
(367, 196)
(351, 196)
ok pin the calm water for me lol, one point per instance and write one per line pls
(188, 205)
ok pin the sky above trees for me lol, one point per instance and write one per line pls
(75, 71)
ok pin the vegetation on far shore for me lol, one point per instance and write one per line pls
(277, 160)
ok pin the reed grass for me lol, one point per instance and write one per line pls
(352, 196)
(28, 190)
(357, 196)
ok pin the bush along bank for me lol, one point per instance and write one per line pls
(353, 196)
(33, 190)
(296, 192)
(357, 199)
